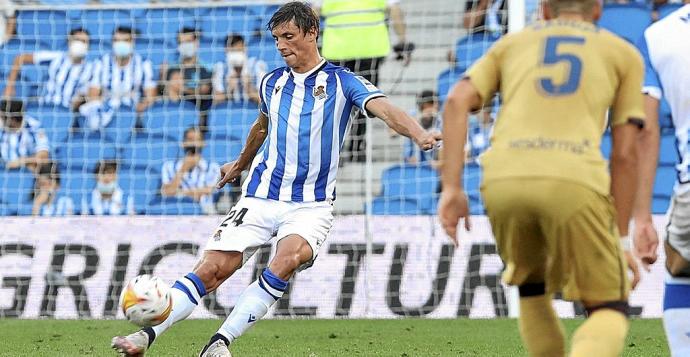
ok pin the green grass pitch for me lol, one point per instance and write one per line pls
(403, 337)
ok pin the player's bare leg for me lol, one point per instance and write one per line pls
(292, 252)
(604, 331)
(211, 271)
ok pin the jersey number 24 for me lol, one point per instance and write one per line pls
(553, 56)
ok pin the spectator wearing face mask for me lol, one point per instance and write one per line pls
(121, 79)
(239, 77)
(196, 76)
(427, 104)
(68, 71)
(190, 176)
(22, 141)
(107, 198)
(47, 200)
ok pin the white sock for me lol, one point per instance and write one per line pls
(186, 295)
(253, 304)
(677, 315)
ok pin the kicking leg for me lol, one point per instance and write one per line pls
(292, 252)
(603, 333)
(213, 269)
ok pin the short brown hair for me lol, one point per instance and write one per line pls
(579, 6)
(300, 12)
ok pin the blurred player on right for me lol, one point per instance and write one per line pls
(546, 187)
(666, 51)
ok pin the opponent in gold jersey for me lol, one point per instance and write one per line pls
(546, 186)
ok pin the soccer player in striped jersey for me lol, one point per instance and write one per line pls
(666, 51)
(305, 112)
(122, 78)
(68, 71)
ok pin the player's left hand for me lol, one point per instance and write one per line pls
(429, 140)
(634, 269)
(646, 241)
(451, 207)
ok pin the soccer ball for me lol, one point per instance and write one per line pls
(146, 301)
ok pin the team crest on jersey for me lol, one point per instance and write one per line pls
(319, 93)
(216, 237)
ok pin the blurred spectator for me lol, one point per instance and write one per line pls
(239, 77)
(356, 36)
(191, 176)
(119, 79)
(489, 16)
(8, 22)
(22, 141)
(47, 201)
(68, 71)
(478, 133)
(174, 86)
(196, 76)
(107, 198)
(427, 105)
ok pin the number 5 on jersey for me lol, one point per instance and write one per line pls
(553, 56)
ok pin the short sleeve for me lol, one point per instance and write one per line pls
(628, 101)
(46, 56)
(168, 172)
(485, 74)
(9, 8)
(149, 82)
(218, 74)
(651, 85)
(358, 90)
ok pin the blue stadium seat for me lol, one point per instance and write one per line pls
(174, 206)
(142, 185)
(55, 120)
(626, 20)
(144, 151)
(158, 51)
(170, 119)
(417, 182)
(164, 24)
(212, 51)
(394, 206)
(78, 185)
(64, 2)
(48, 27)
(666, 177)
(102, 23)
(222, 151)
(14, 47)
(668, 152)
(470, 48)
(231, 120)
(266, 51)
(120, 127)
(666, 9)
(15, 189)
(446, 80)
(83, 152)
(660, 205)
(221, 21)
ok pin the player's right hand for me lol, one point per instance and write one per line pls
(229, 173)
(634, 269)
(646, 241)
(429, 140)
(451, 207)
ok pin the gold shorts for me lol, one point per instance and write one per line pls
(557, 232)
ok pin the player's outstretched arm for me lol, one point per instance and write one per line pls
(402, 122)
(452, 206)
(257, 134)
(645, 237)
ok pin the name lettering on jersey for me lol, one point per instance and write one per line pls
(541, 143)
(319, 93)
(370, 87)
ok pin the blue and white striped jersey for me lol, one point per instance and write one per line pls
(65, 79)
(252, 72)
(60, 206)
(205, 174)
(122, 86)
(666, 52)
(309, 115)
(25, 142)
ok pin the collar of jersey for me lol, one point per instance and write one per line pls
(310, 72)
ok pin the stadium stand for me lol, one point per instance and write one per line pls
(141, 142)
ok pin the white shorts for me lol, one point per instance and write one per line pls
(678, 229)
(253, 222)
